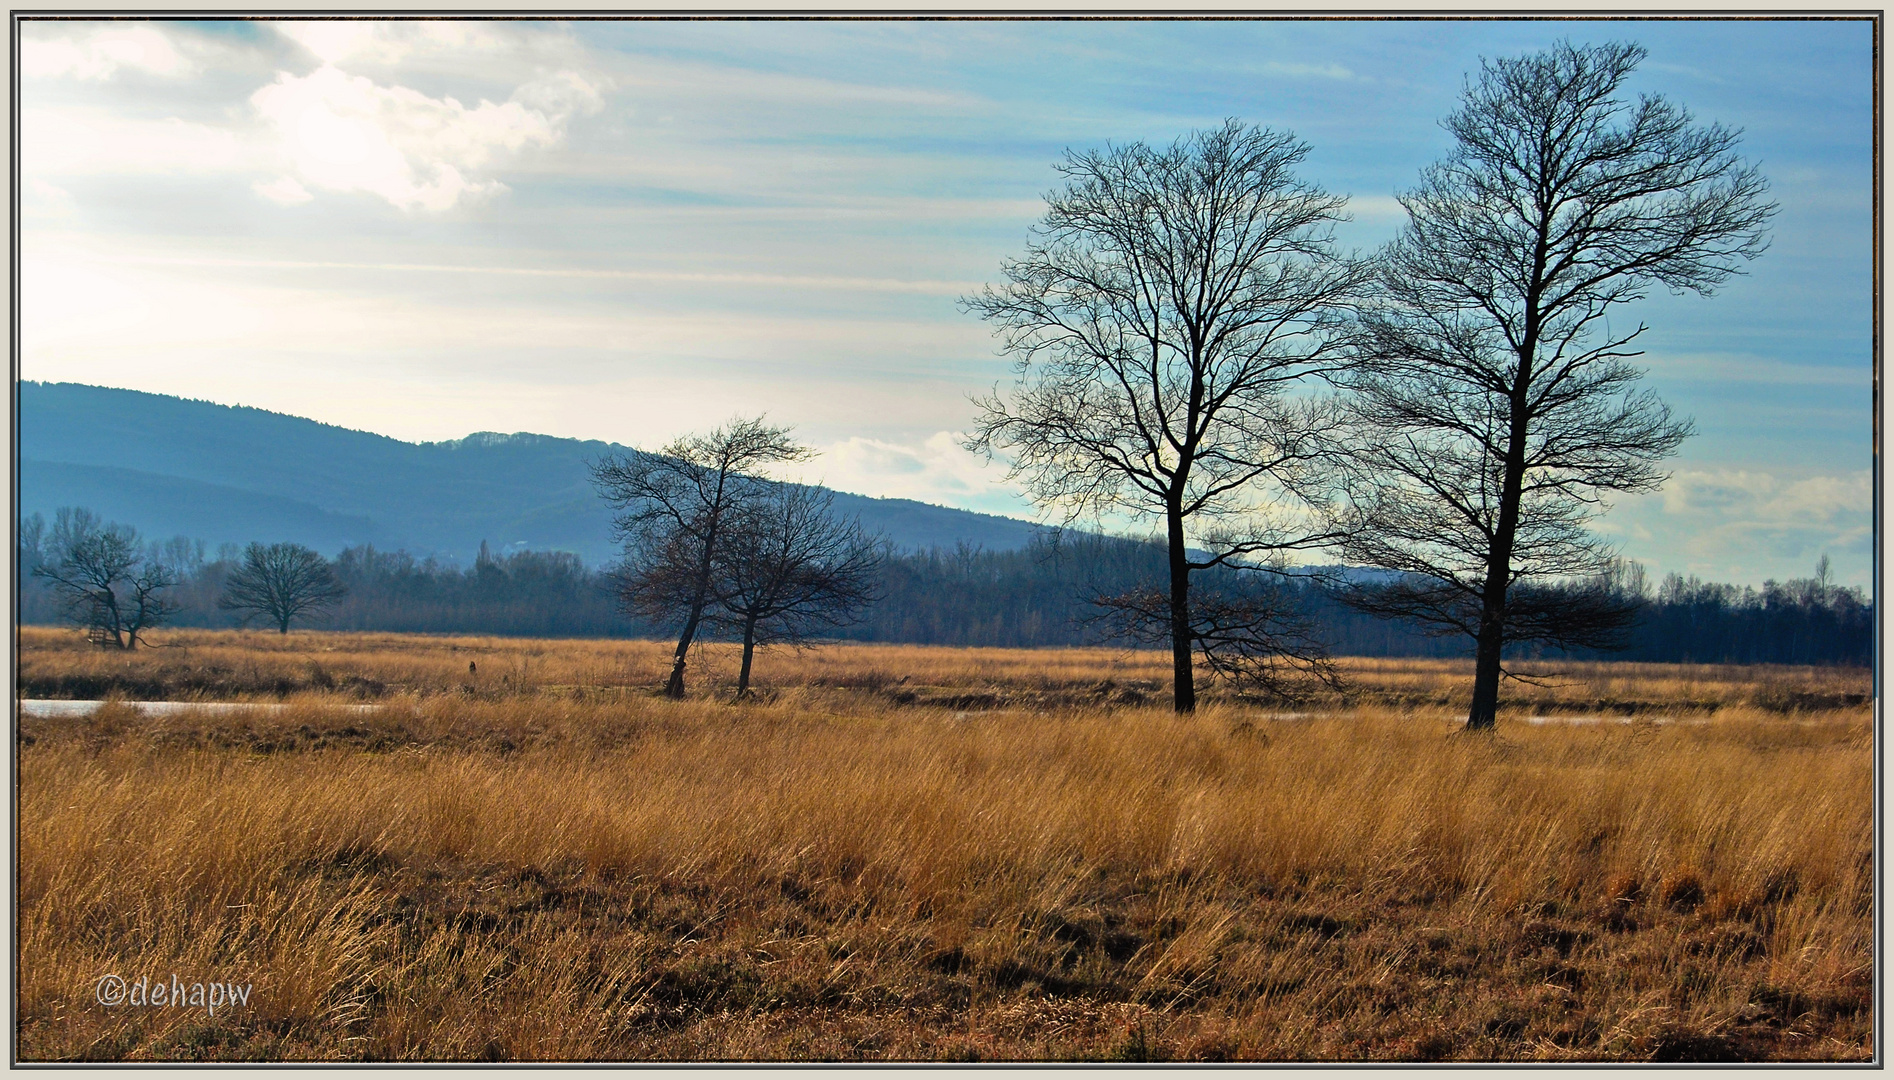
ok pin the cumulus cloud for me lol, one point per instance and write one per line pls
(100, 51)
(328, 131)
(342, 133)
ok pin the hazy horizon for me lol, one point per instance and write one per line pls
(630, 230)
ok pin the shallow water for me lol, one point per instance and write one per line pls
(42, 707)
(1613, 720)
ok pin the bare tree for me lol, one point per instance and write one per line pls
(672, 508)
(32, 544)
(102, 579)
(788, 568)
(1500, 406)
(1167, 311)
(281, 582)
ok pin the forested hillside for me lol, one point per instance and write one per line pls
(230, 474)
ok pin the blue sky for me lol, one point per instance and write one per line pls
(631, 230)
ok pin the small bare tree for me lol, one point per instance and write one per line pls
(1499, 406)
(1167, 312)
(788, 568)
(673, 506)
(281, 582)
(102, 579)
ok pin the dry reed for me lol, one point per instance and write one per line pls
(830, 875)
(224, 665)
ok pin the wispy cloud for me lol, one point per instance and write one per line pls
(67, 140)
(1376, 209)
(1305, 70)
(359, 41)
(935, 469)
(101, 51)
(706, 81)
(1763, 497)
(1736, 367)
(1745, 525)
(1686, 69)
(794, 281)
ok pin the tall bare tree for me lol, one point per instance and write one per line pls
(1166, 313)
(281, 582)
(788, 568)
(1501, 407)
(103, 580)
(672, 507)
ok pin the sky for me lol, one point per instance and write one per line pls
(634, 230)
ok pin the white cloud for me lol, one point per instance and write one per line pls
(340, 132)
(98, 52)
(72, 302)
(284, 190)
(693, 83)
(1762, 498)
(44, 200)
(287, 191)
(66, 140)
(1377, 209)
(937, 470)
(1746, 525)
(1320, 71)
(563, 94)
(1725, 368)
(518, 329)
(379, 42)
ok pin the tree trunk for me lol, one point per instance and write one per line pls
(1485, 711)
(1183, 679)
(674, 687)
(1483, 714)
(114, 623)
(749, 650)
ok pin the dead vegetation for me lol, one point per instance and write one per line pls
(228, 665)
(568, 871)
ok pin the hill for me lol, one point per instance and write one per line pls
(224, 473)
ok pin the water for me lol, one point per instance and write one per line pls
(41, 707)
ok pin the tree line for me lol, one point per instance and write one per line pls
(1037, 596)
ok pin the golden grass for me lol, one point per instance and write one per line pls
(227, 665)
(534, 875)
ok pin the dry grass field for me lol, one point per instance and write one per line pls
(226, 665)
(932, 854)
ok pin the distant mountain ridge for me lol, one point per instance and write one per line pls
(231, 473)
